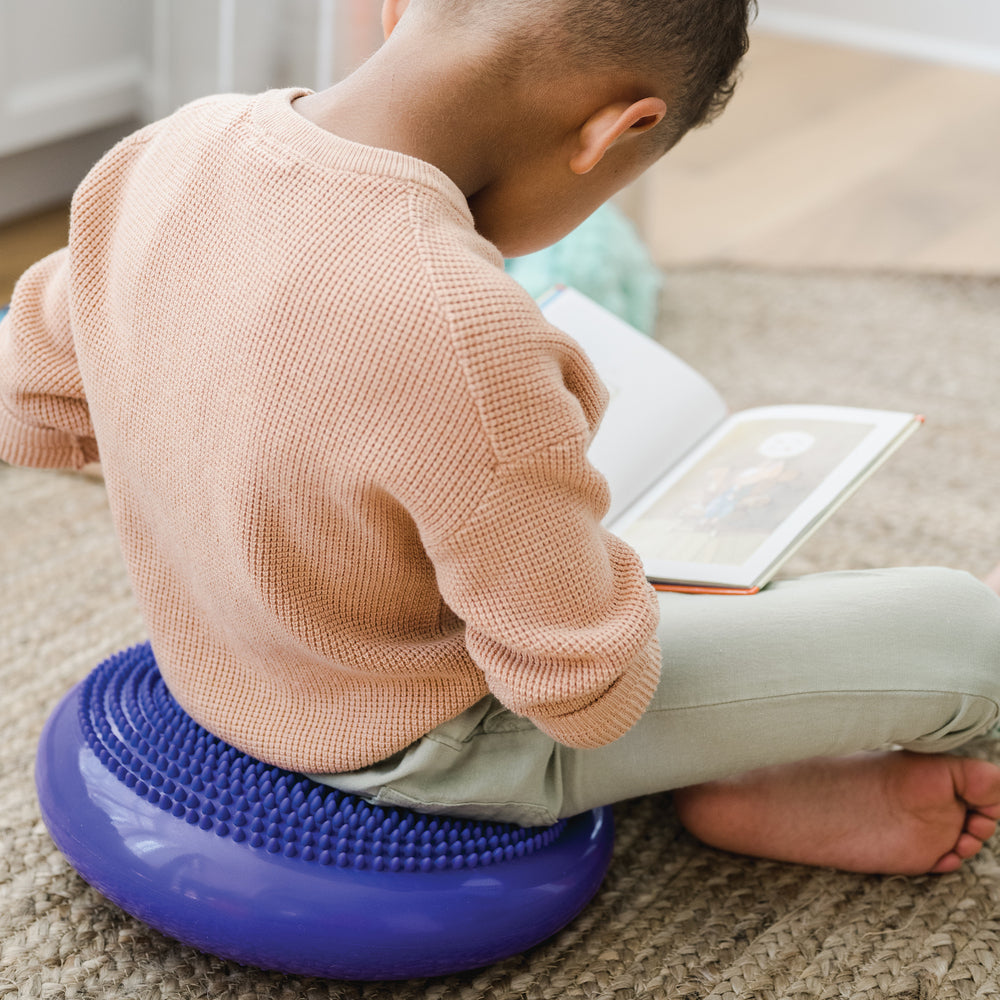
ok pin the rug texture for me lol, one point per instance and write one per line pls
(673, 919)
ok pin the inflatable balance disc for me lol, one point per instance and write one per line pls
(265, 867)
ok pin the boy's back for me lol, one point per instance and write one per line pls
(344, 453)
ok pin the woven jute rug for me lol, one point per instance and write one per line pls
(673, 919)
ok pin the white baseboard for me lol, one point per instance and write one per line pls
(43, 177)
(819, 27)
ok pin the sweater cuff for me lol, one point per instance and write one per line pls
(42, 447)
(613, 713)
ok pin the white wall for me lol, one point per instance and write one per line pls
(72, 81)
(67, 68)
(75, 75)
(202, 47)
(963, 32)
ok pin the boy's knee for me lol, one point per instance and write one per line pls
(951, 648)
(955, 627)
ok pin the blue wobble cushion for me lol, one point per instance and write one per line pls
(256, 864)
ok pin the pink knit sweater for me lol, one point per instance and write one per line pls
(345, 454)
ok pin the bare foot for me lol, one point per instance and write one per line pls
(886, 813)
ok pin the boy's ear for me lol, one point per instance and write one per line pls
(392, 11)
(609, 124)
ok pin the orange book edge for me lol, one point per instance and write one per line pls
(684, 588)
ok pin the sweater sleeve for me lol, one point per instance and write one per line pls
(557, 610)
(558, 613)
(44, 418)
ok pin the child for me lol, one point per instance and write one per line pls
(346, 460)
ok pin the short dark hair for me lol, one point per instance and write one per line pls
(698, 42)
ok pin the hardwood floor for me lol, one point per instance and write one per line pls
(832, 157)
(27, 240)
(826, 157)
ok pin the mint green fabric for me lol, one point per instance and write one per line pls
(603, 258)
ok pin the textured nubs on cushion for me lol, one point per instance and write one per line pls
(254, 863)
(137, 730)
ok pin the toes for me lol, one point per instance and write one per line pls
(980, 826)
(950, 862)
(967, 845)
(978, 783)
(993, 811)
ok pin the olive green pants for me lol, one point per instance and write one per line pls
(827, 664)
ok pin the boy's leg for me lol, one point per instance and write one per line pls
(827, 665)
(824, 665)
(820, 667)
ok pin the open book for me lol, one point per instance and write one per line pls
(713, 501)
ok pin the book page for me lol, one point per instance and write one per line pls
(737, 506)
(660, 407)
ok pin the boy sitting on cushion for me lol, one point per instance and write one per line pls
(346, 458)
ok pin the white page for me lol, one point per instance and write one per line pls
(758, 486)
(660, 407)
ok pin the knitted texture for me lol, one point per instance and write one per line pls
(344, 452)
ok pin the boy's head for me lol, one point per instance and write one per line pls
(586, 95)
(696, 44)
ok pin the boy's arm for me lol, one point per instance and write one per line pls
(44, 419)
(558, 612)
